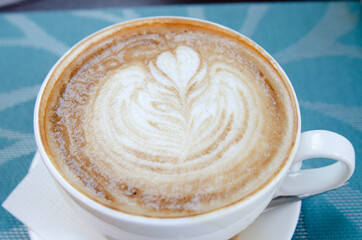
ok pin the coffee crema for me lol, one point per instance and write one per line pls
(167, 118)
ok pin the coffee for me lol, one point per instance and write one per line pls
(167, 117)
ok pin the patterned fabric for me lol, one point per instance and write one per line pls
(319, 45)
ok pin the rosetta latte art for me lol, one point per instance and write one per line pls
(171, 116)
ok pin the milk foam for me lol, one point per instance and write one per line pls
(167, 114)
(172, 130)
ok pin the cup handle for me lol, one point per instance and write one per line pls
(319, 144)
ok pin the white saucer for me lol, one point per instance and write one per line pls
(276, 224)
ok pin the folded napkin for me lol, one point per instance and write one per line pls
(37, 203)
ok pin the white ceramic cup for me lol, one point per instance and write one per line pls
(228, 221)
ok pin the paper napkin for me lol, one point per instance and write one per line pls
(37, 203)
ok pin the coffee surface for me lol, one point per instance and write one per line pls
(168, 119)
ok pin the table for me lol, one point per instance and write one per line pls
(319, 45)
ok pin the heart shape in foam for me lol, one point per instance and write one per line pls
(172, 110)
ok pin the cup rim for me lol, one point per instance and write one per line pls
(169, 221)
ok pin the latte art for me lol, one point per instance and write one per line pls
(170, 115)
(169, 122)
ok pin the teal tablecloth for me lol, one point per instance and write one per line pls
(318, 44)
